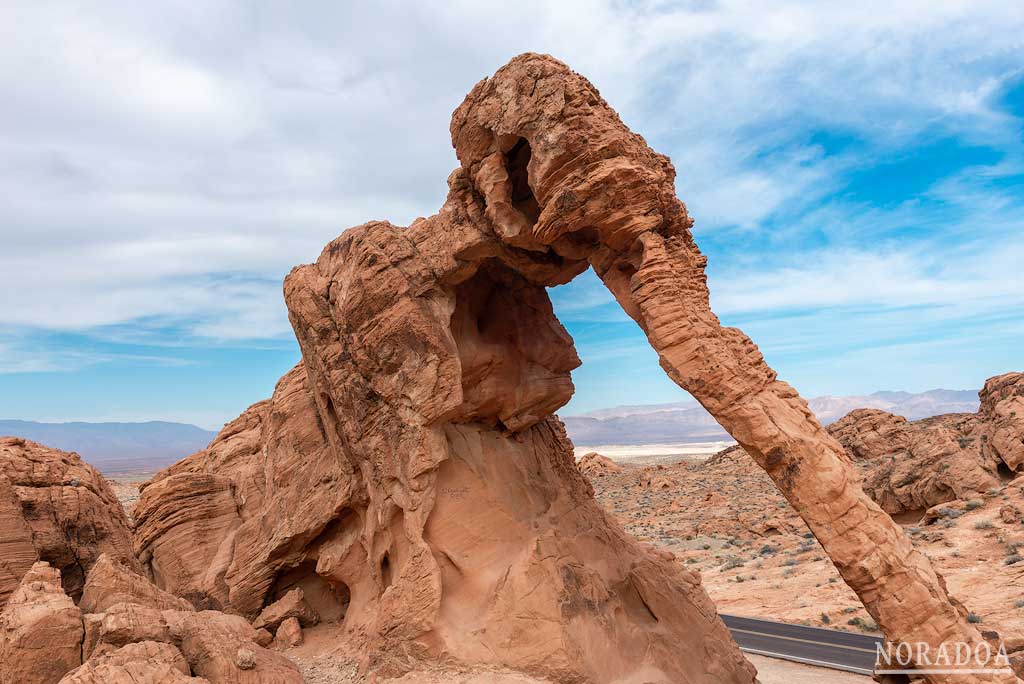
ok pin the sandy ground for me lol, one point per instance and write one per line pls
(322, 661)
(651, 454)
(725, 518)
(773, 671)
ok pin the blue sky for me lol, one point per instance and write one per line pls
(856, 175)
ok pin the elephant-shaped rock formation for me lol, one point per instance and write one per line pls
(410, 476)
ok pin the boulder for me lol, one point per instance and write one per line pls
(594, 464)
(910, 466)
(145, 662)
(1002, 411)
(40, 630)
(291, 605)
(126, 623)
(68, 507)
(289, 634)
(212, 643)
(111, 582)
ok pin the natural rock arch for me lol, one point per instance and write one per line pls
(414, 458)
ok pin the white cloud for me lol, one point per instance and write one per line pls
(173, 161)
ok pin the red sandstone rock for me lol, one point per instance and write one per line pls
(211, 641)
(289, 634)
(912, 466)
(110, 583)
(40, 630)
(17, 552)
(1002, 410)
(291, 605)
(596, 465)
(449, 520)
(70, 510)
(145, 662)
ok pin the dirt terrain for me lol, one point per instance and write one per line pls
(724, 517)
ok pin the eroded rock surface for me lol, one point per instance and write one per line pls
(409, 474)
(67, 509)
(40, 630)
(594, 464)
(111, 582)
(909, 467)
(144, 662)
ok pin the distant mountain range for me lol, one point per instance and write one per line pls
(687, 421)
(116, 447)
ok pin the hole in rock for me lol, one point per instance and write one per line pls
(1004, 472)
(910, 517)
(385, 571)
(329, 598)
(523, 200)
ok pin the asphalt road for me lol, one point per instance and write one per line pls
(810, 645)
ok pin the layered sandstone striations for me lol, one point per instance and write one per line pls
(56, 508)
(40, 630)
(409, 475)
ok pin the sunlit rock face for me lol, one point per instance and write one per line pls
(56, 508)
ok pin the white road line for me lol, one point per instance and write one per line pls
(808, 661)
(804, 641)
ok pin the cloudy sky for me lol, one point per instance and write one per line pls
(855, 170)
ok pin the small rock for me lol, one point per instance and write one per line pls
(1010, 514)
(263, 638)
(245, 659)
(289, 634)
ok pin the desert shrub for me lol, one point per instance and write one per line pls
(983, 525)
(947, 512)
(864, 624)
(732, 562)
(974, 503)
(869, 625)
(790, 562)
(768, 550)
(1019, 603)
(973, 618)
(825, 619)
(1013, 558)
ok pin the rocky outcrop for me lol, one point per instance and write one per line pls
(410, 475)
(909, 467)
(17, 552)
(66, 507)
(135, 632)
(211, 643)
(144, 662)
(291, 605)
(40, 630)
(594, 464)
(111, 582)
(1002, 412)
